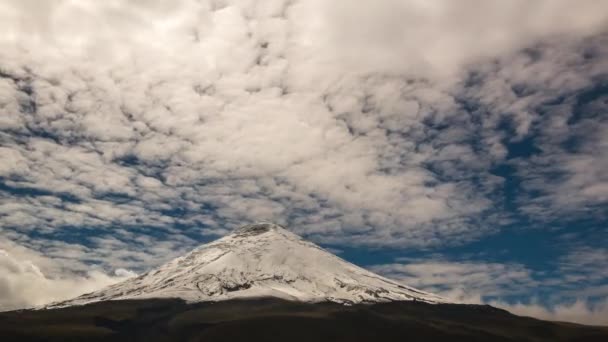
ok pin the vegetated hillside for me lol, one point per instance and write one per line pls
(274, 319)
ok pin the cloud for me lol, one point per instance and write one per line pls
(436, 38)
(580, 311)
(579, 183)
(364, 151)
(468, 282)
(23, 283)
(498, 283)
(582, 267)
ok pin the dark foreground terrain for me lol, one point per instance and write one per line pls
(277, 320)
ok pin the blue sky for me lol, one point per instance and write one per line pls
(460, 147)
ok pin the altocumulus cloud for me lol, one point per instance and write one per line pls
(491, 283)
(143, 128)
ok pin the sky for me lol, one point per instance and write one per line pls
(458, 146)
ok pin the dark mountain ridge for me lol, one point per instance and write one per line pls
(273, 319)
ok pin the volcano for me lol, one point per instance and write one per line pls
(257, 261)
(264, 283)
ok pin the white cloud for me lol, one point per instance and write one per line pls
(580, 311)
(584, 265)
(497, 284)
(23, 283)
(463, 281)
(579, 183)
(262, 98)
(436, 38)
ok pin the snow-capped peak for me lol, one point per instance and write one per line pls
(260, 260)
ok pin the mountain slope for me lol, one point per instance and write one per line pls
(272, 319)
(259, 260)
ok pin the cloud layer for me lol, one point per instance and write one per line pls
(497, 284)
(237, 108)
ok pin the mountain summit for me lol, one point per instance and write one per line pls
(260, 260)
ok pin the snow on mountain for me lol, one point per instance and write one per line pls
(259, 260)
